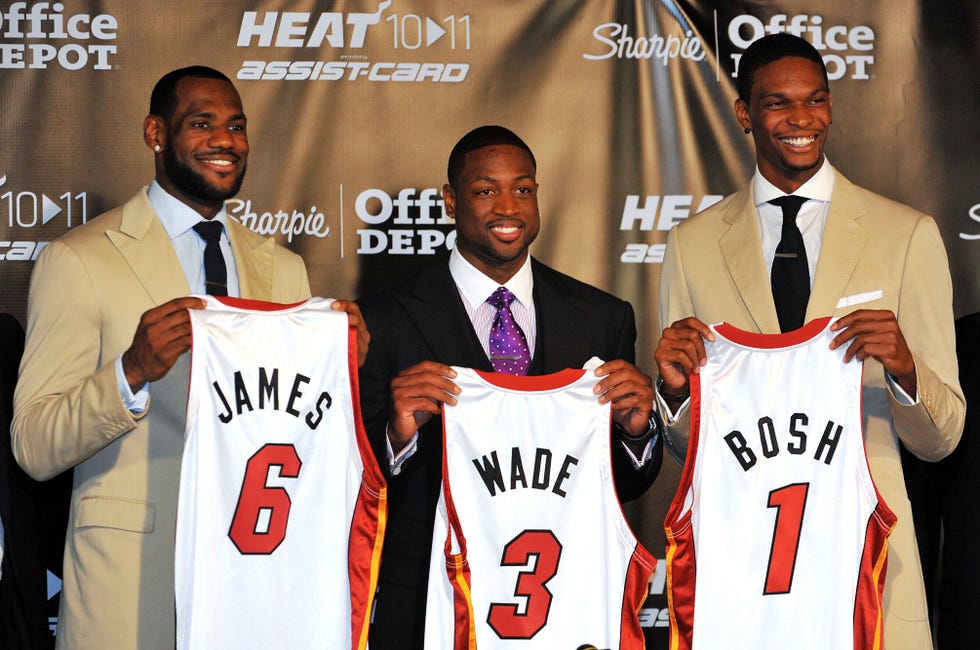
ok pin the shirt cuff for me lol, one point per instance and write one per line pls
(647, 452)
(670, 417)
(134, 403)
(901, 396)
(395, 461)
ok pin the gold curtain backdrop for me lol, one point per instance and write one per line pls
(354, 106)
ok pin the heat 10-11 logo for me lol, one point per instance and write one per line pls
(657, 213)
(288, 31)
(26, 211)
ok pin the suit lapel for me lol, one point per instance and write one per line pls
(748, 271)
(843, 240)
(436, 310)
(253, 259)
(554, 311)
(144, 244)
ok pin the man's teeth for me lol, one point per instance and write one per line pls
(222, 163)
(799, 142)
(505, 229)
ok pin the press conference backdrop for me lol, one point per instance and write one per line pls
(354, 106)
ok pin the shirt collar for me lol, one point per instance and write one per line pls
(819, 187)
(176, 216)
(476, 287)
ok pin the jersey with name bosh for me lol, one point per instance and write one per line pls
(777, 536)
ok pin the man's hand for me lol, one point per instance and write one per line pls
(875, 333)
(354, 318)
(631, 394)
(163, 334)
(680, 352)
(417, 394)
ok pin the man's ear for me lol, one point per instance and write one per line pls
(449, 200)
(154, 132)
(742, 114)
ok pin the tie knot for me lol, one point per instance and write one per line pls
(501, 298)
(209, 230)
(790, 205)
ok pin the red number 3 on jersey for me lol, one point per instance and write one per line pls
(504, 618)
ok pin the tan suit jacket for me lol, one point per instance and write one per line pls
(87, 293)
(714, 270)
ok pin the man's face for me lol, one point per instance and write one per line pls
(789, 113)
(206, 147)
(495, 205)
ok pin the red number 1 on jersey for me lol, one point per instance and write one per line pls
(790, 502)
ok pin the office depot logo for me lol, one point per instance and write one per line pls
(846, 51)
(412, 222)
(40, 35)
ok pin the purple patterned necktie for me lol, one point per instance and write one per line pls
(508, 346)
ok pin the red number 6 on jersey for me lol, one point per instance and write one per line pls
(504, 618)
(256, 496)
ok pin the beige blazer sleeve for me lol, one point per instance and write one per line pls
(87, 293)
(84, 304)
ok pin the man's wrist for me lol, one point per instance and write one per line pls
(393, 441)
(671, 397)
(653, 428)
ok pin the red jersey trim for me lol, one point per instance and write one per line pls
(553, 381)
(772, 341)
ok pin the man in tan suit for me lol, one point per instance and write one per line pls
(103, 381)
(877, 265)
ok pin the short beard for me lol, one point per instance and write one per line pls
(193, 184)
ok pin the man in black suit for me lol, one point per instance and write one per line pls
(441, 318)
(34, 516)
(944, 499)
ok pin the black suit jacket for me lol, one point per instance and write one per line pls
(34, 518)
(424, 319)
(944, 498)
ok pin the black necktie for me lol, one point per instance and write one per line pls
(215, 272)
(790, 273)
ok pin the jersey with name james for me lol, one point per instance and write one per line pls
(282, 506)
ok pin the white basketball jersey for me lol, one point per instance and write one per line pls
(777, 536)
(530, 548)
(282, 506)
